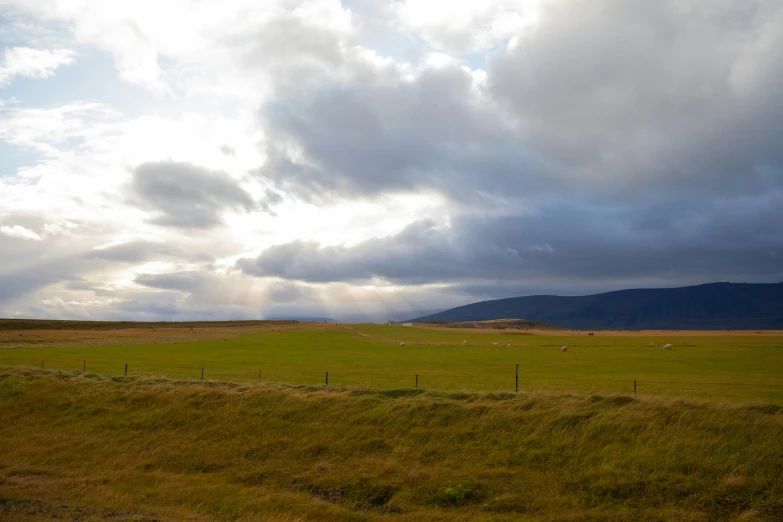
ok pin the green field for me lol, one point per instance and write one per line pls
(744, 368)
(701, 442)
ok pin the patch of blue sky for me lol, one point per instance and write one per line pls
(379, 35)
(93, 78)
(475, 60)
(90, 78)
(13, 157)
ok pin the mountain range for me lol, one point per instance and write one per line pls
(713, 306)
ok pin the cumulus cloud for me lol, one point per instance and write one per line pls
(32, 63)
(187, 196)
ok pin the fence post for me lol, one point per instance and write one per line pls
(85, 366)
(126, 369)
(634, 389)
(417, 381)
(517, 378)
(327, 378)
(42, 364)
(202, 373)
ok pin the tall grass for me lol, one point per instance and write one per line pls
(130, 448)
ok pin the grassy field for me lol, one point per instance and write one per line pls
(81, 447)
(730, 366)
(701, 442)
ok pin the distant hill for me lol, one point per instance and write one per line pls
(498, 324)
(733, 306)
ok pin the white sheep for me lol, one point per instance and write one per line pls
(509, 344)
(668, 346)
(564, 349)
(402, 343)
(465, 342)
(496, 343)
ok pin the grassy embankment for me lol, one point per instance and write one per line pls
(88, 447)
(743, 367)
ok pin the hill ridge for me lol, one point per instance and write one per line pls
(706, 306)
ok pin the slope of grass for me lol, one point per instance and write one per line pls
(744, 368)
(96, 448)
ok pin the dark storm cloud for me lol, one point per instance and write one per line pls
(554, 247)
(187, 196)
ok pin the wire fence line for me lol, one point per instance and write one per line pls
(369, 378)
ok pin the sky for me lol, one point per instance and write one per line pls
(189, 159)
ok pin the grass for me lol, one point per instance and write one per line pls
(91, 447)
(700, 443)
(745, 367)
(54, 324)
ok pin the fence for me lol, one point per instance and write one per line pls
(440, 381)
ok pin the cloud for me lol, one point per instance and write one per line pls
(181, 281)
(639, 98)
(32, 63)
(557, 246)
(381, 132)
(415, 154)
(38, 265)
(600, 101)
(208, 50)
(464, 26)
(130, 252)
(20, 232)
(49, 130)
(187, 196)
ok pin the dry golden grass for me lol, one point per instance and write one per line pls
(51, 334)
(11, 336)
(96, 448)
